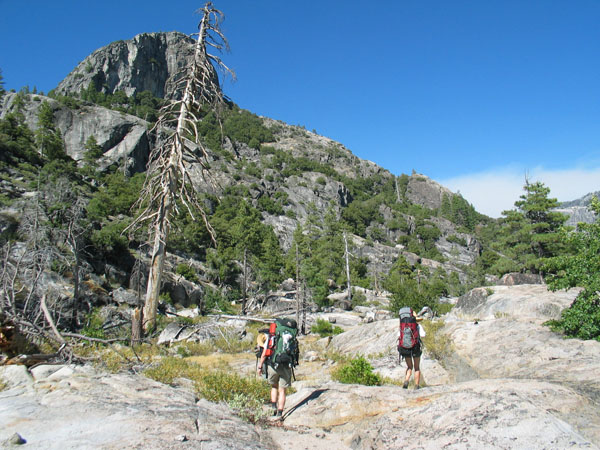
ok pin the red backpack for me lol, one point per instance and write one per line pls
(409, 333)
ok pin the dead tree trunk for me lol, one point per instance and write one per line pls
(347, 256)
(245, 282)
(303, 307)
(298, 305)
(168, 178)
(161, 232)
(137, 328)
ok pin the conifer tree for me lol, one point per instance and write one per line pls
(2, 91)
(530, 232)
(48, 138)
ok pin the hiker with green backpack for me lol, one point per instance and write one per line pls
(280, 352)
(409, 344)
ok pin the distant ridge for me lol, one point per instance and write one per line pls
(577, 210)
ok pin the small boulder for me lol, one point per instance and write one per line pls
(126, 296)
(288, 285)
(515, 278)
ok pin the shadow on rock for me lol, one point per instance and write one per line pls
(312, 396)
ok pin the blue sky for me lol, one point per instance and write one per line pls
(474, 94)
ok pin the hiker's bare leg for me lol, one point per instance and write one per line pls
(417, 370)
(281, 399)
(274, 391)
(409, 367)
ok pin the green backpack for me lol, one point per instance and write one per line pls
(285, 345)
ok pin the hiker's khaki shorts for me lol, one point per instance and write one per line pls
(280, 377)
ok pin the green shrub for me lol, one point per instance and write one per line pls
(110, 238)
(245, 395)
(438, 345)
(323, 328)
(165, 297)
(457, 240)
(443, 308)
(94, 325)
(188, 348)
(358, 298)
(218, 386)
(187, 272)
(357, 371)
(580, 320)
(170, 368)
(215, 301)
(230, 342)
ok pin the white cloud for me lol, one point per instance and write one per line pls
(494, 191)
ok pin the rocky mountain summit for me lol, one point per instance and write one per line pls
(148, 62)
(525, 388)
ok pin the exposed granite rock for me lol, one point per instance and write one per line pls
(577, 214)
(148, 62)
(528, 301)
(578, 211)
(514, 278)
(85, 409)
(423, 191)
(379, 341)
(530, 389)
(492, 414)
(121, 136)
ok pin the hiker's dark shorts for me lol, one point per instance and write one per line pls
(280, 377)
(414, 352)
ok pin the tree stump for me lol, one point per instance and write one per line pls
(137, 329)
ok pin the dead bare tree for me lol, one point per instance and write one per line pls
(347, 258)
(168, 178)
(22, 295)
(31, 298)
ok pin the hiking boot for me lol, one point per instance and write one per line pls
(278, 416)
(405, 385)
(417, 387)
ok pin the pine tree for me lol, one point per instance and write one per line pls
(530, 233)
(2, 91)
(48, 138)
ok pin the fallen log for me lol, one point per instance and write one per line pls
(30, 360)
(251, 319)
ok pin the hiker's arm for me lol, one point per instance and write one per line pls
(263, 356)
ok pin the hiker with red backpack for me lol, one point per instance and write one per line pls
(280, 353)
(409, 344)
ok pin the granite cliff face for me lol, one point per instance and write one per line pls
(423, 191)
(577, 210)
(122, 137)
(148, 62)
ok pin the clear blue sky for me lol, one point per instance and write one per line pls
(474, 94)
